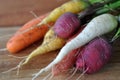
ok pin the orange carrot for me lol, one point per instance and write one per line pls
(26, 36)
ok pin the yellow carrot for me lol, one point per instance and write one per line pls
(51, 42)
(73, 6)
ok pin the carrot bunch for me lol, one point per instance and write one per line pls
(57, 27)
(36, 29)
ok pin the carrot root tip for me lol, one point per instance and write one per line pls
(82, 74)
(15, 68)
(17, 57)
(51, 77)
(75, 70)
(33, 13)
(10, 70)
(38, 74)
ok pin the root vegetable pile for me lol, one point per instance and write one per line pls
(85, 51)
(96, 27)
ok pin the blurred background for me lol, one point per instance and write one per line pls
(18, 12)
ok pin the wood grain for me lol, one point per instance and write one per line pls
(110, 72)
(17, 12)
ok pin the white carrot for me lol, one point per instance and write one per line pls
(98, 26)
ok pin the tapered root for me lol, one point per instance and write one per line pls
(48, 77)
(82, 74)
(33, 13)
(15, 68)
(10, 69)
(18, 57)
(72, 74)
(39, 73)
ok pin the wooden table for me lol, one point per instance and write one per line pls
(18, 12)
(15, 13)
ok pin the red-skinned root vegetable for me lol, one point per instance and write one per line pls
(97, 26)
(69, 60)
(67, 63)
(94, 55)
(66, 25)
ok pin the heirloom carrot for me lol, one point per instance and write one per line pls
(23, 38)
(65, 25)
(51, 42)
(74, 6)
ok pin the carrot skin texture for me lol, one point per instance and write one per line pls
(22, 40)
(94, 55)
(51, 42)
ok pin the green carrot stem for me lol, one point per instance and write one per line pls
(116, 36)
(100, 1)
(111, 6)
(96, 5)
